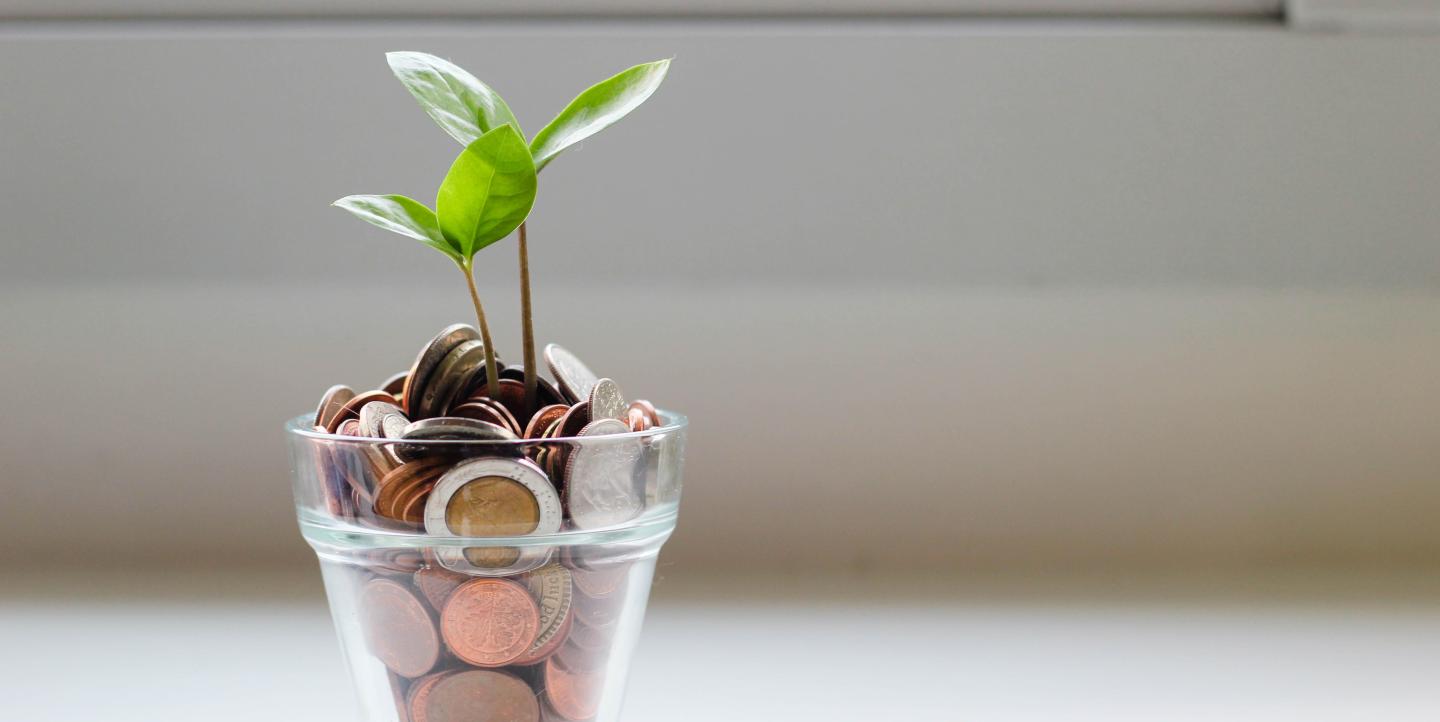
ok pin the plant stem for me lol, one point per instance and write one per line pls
(527, 325)
(492, 373)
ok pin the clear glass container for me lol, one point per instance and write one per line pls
(494, 581)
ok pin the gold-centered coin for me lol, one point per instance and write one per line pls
(492, 506)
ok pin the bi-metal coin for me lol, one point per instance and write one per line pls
(493, 496)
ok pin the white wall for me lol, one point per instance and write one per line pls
(1018, 293)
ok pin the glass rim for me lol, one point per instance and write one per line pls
(303, 426)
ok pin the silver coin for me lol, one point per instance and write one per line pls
(575, 378)
(331, 402)
(454, 371)
(382, 420)
(600, 485)
(606, 401)
(430, 357)
(554, 592)
(455, 428)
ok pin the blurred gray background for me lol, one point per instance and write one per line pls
(942, 285)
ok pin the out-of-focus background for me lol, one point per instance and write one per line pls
(1078, 355)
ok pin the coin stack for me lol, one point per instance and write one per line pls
(489, 633)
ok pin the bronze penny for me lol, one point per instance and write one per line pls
(543, 419)
(600, 583)
(397, 628)
(489, 413)
(331, 402)
(401, 481)
(437, 583)
(578, 659)
(648, 409)
(636, 419)
(481, 695)
(574, 420)
(495, 410)
(419, 695)
(545, 392)
(489, 622)
(544, 651)
(575, 695)
(430, 356)
(512, 395)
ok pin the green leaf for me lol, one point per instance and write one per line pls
(456, 100)
(596, 109)
(402, 215)
(488, 191)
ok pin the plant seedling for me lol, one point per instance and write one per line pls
(468, 109)
(487, 193)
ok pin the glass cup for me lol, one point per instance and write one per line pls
(488, 581)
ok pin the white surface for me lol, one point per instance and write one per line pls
(1343, 650)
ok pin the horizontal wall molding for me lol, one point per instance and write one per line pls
(82, 9)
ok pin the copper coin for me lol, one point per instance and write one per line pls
(396, 561)
(574, 420)
(481, 695)
(636, 419)
(488, 409)
(331, 402)
(349, 427)
(430, 356)
(545, 392)
(543, 419)
(410, 505)
(600, 583)
(576, 696)
(419, 695)
(395, 384)
(580, 660)
(437, 583)
(544, 651)
(648, 409)
(489, 622)
(397, 628)
(593, 637)
(351, 409)
(512, 395)
(401, 483)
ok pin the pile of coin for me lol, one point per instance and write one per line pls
(487, 632)
(445, 398)
(523, 648)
